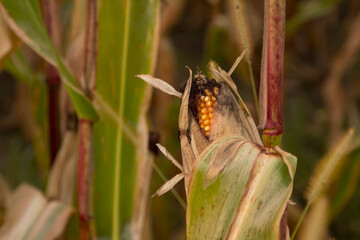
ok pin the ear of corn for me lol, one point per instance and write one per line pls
(236, 188)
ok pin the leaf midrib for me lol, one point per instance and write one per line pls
(119, 136)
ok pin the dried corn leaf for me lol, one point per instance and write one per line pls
(30, 216)
(51, 223)
(62, 175)
(25, 207)
(244, 120)
(169, 156)
(168, 185)
(160, 84)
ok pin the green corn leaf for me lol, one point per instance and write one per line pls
(242, 199)
(127, 47)
(24, 18)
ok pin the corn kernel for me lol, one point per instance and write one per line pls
(205, 108)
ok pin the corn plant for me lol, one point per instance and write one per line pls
(222, 149)
(89, 113)
(119, 164)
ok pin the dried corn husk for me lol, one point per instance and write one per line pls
(236, 188)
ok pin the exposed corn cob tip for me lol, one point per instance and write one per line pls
(203, 98)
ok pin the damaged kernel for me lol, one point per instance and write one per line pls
(205, 93)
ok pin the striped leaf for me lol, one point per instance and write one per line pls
(127, 47)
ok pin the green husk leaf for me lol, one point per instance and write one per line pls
(24, 18)
(263, 184)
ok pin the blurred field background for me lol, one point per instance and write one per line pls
(321, 98)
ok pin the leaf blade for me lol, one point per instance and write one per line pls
(124, 51)
(24, 18)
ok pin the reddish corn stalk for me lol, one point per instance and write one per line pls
(85, 177)
(271, 84)
(85, 160)
(90, 49)
(52, 22)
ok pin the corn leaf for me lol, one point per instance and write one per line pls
(127, 40)
(61, 182)
(24, 18)
(31, 216)
(242, 199)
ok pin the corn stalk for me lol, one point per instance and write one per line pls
(85, 158)
(271, 83)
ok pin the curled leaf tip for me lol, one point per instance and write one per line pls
(170, 157)
(236, 63)
(167, 186)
